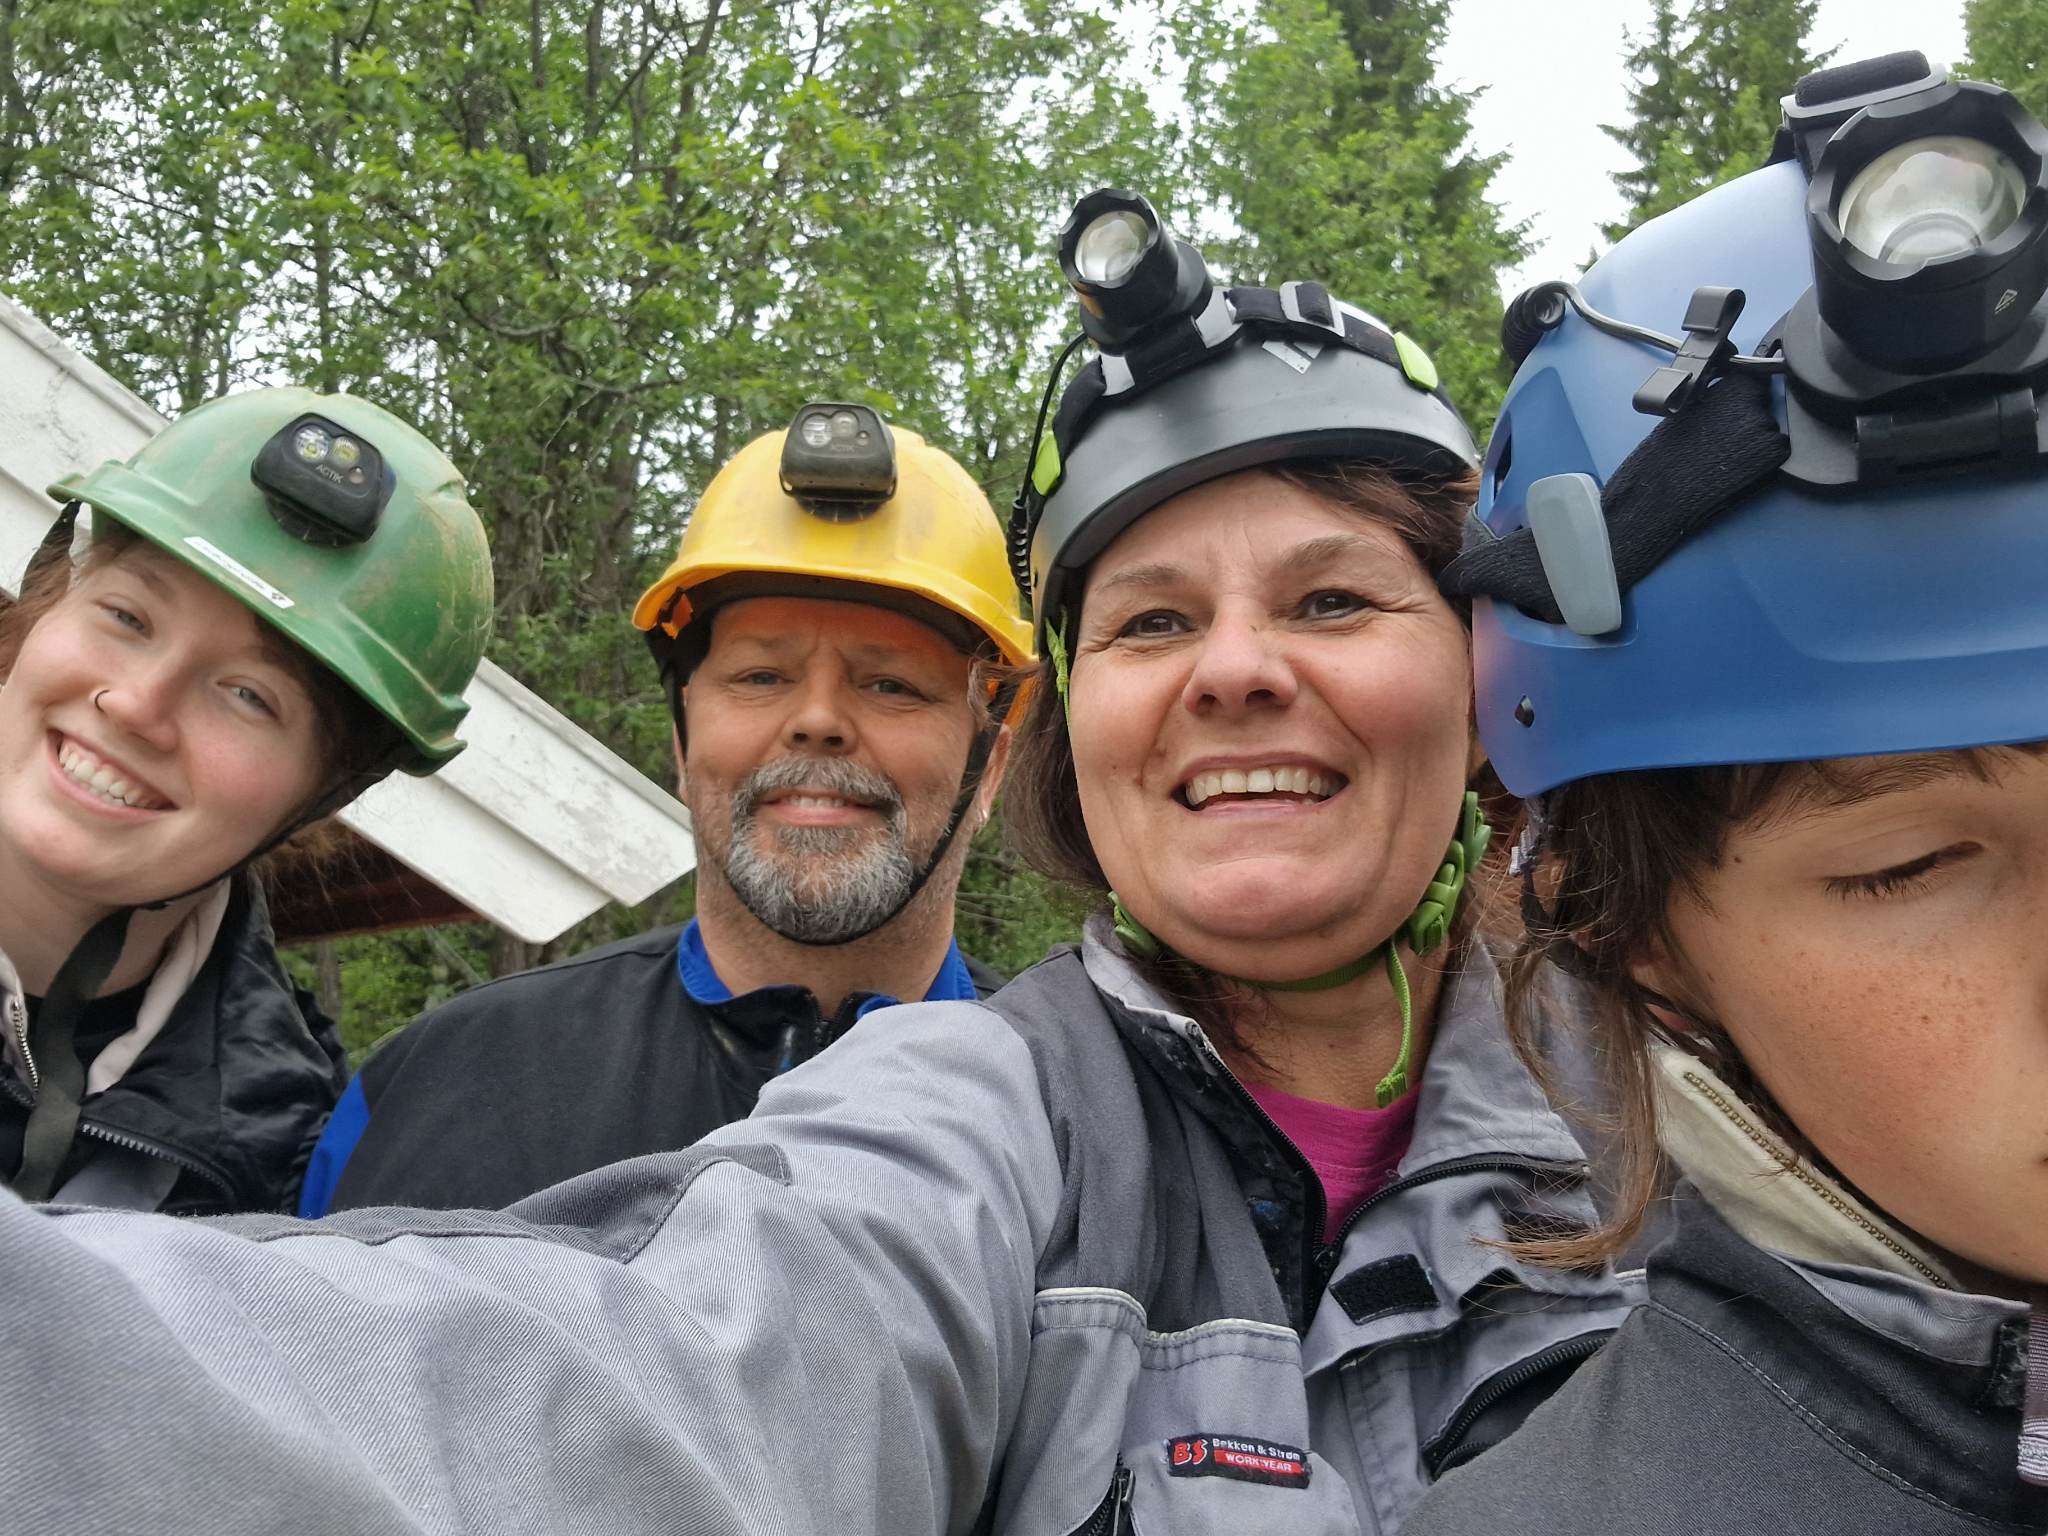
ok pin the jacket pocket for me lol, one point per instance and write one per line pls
(1498, 1405)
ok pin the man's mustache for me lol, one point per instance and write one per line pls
(831, 776)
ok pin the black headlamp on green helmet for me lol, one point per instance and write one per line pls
(1191, 381)
(341, 527)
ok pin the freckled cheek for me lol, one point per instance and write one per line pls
(1885, 1065)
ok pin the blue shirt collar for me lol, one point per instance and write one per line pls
(701, 980)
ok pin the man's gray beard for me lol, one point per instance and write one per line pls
(819, 885)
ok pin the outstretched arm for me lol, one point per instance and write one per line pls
(816, 1320)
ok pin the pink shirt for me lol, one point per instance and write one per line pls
(1353, 1151)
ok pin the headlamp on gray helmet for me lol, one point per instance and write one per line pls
(1191, 382)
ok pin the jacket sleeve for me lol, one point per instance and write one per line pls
(816, 1320)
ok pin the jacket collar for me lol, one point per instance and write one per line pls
(1477, 1097)
(769, 1011)
(1767, 1192)
(185, 951)
(1925, 1381)
(1865, 1266)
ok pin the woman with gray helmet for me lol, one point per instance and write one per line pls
(1187, 1230)
(281, 600)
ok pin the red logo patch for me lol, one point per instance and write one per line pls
(1234, 1456)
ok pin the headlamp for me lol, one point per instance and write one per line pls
(1931, 198)
(1127, 269)
(1929, 220)
(323, 483)
(839, 460)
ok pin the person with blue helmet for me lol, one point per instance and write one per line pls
(1760, 638)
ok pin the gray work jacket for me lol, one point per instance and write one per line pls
(976, 1267)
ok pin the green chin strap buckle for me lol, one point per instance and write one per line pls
(1062, 669)
(1425, 929)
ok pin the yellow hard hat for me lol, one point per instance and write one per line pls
(841, 506)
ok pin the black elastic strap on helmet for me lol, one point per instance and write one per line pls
(60, 1088)
(1692, 467)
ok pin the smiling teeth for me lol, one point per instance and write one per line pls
(81, 767)
(1260, 781)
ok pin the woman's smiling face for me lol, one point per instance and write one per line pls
(1271, 726)
(153, 734)
(1871, 943)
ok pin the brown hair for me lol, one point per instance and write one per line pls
(351, 736)
(1620, 851)
(1042, 807)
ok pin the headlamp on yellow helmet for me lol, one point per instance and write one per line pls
(839, 461)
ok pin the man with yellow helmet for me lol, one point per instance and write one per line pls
(836, 635)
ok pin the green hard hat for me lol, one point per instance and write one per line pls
(399, 613)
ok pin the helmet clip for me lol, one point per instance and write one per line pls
(1709, 319)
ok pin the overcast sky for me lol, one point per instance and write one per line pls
(1553, 74)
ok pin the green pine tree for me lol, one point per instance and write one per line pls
(1339, 155)
(1707, 79)
(2008, 41)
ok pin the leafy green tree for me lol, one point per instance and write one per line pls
(1707, 78)
(2008, 43)
(1334, 152)
(593, 245)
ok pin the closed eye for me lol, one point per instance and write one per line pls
(1901, 879)
(255, 700)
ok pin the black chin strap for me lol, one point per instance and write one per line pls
(53, 1123)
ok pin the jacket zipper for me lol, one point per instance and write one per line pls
(16, 1015)
(1429, 1175)
(1317, 1257)
(131, 1143)
(1512, 1379)
(1108, 1519)
(17, 1019)
(1769, 1144)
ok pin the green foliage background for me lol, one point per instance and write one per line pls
(596, 245)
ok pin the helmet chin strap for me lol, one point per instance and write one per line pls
(1425, 928)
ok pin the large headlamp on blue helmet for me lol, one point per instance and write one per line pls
(1816, 529)
(1192, 381)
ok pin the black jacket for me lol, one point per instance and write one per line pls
(1754, 1393)
(231, 1089)
(535, 1078)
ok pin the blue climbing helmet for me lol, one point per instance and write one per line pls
(1814, 524)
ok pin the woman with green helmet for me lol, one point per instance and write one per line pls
(280, 600)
